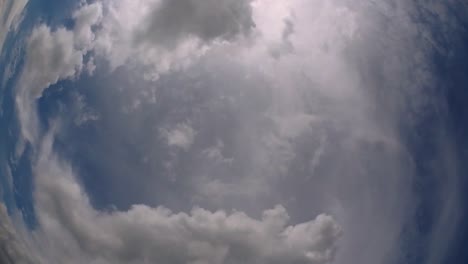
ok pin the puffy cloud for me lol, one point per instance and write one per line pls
(55, 55)
(52, 56)
(85, 18)
(262, 146)
(72, 231)
(124, 35)
(320, 80)
(164, 35)
(171, 21)
(182, 136)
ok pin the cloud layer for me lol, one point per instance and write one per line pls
(232, 106)
(71, 231)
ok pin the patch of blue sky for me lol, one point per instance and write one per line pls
(18, 194)
(15, 172)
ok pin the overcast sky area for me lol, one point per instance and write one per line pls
(233, 131)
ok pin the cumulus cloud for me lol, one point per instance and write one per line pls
(264, 137)
(171, 21)
(164, 35)
(51, 56)
(124, 35)
(72, 231)
(182, 136)
(307, 113)
(85, 18)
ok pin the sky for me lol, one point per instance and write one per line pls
(233, 131)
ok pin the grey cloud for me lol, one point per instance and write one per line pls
(166, 35)
(171, 21)
(12, 249)
(285, 46)
(73, 232)
(316, 129)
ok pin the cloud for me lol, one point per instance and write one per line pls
(54, 55)
(85, 18)
(51, 56)
(308, 112)
(182, 136)
(163, 35)
(10, 12)
(72, 231)
(12, 249)
(172, 21)
(84, 114)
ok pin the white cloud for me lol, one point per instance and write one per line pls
(163, 35)
(71, 231)
(331, 59)
(85, 18)
(124, 36)
(56, 55)
(182, 136)
(172, 21)
(52, 56)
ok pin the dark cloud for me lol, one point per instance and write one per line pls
(173, 21)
